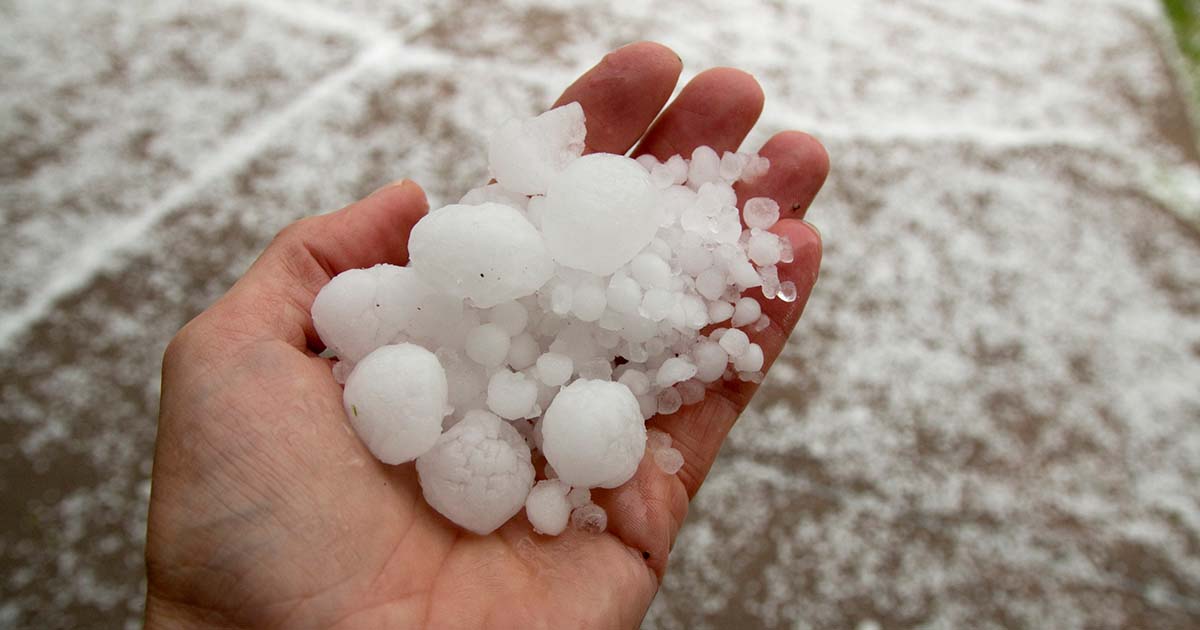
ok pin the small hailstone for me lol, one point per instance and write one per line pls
(598, 368)
(762, 324)
(710, 359)
(548, 508)
(656, 440)
(719, 311)
(395, 399)
(554, 369)
(590, 518)
(561, 297)
(661, 176)
(760, 212)
(691, 391)
(624, 294)
(524, 155)
(657, 304)
(786, 253)
(487, 345)
(669, 401)
(599, 213)
(743, 274)
(636, 381)
(711, 283)
(588, 303)
(674, 370)
(593, 434)
(751, 360)
(647, 161)
(770, 282)
(511, 316)
(787, 291)
(764, 249)
(648, 404)
(523, 351)
(755, 168)
(704, 168)
(668, 460)
(732, 165)
(488, 254)
(578, 497)
(478, 474)
(734, 342)
(511, 395)
(747, 311)
(678, 167)
(650, 271)
(751, 377)
(695, 259)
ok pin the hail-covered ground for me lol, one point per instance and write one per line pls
(554, 312)
(988, 417)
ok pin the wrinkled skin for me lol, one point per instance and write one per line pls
(266, 509)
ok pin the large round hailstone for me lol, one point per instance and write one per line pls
(599, 213)
(478, 474)
(524, 154)
(488, 254)
(360, 310)
(593, 434)
(395, 399)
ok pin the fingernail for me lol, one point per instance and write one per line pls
(395, 184)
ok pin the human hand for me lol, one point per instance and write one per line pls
(267, 510)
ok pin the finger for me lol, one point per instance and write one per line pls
(716, 109)
(623, 93)
(273, 299)
(699, 430)
(799, 166)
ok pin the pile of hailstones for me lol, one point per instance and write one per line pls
(555, 310)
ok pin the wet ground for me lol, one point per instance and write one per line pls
(989, 416)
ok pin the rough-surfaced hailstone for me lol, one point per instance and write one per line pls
(488, 254)
(524, 154)
(548, 508)
(395, 399)
(360, 310)
(478, 474)
(593, 434)
(599, 213)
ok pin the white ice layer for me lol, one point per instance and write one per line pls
(555, 310)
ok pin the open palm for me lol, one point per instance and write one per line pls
(267, 511)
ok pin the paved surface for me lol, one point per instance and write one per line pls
(989, 417)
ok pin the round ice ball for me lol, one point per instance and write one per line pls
(488, 254)
(478, 474)
(360, 310)
(599, 213)
(593, 434)
(548, 508)
(524, 154)
(395, 399)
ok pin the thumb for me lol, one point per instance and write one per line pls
(273, 299)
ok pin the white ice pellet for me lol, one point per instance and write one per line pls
(523, 351)
(395, 399)
(590, 518)
(674, 370)
(656, 440)
(705, 167)
(524, 155)
(588, 302)
(747, 311)
(678, 167)
(691, 391)
(598, 368)
(711, 283)
(593, 434)
(762, 324)
(751, 360)
(636, 380)
(657, 304)
(732, 165)
(624, 294)
(478, 474)
(710, 359)
(578, 497)
(669, 401)
(760, 212)
(511, 316)
(599, 213)
(719, 311)
(487, 345)
(650, 271)
(764, 248)
(488, 253)
(511, 395)
(668, 460)
(548, 508)
(756, 167)
(734, 342)
(554, 369)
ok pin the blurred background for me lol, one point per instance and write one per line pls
(989, 417)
